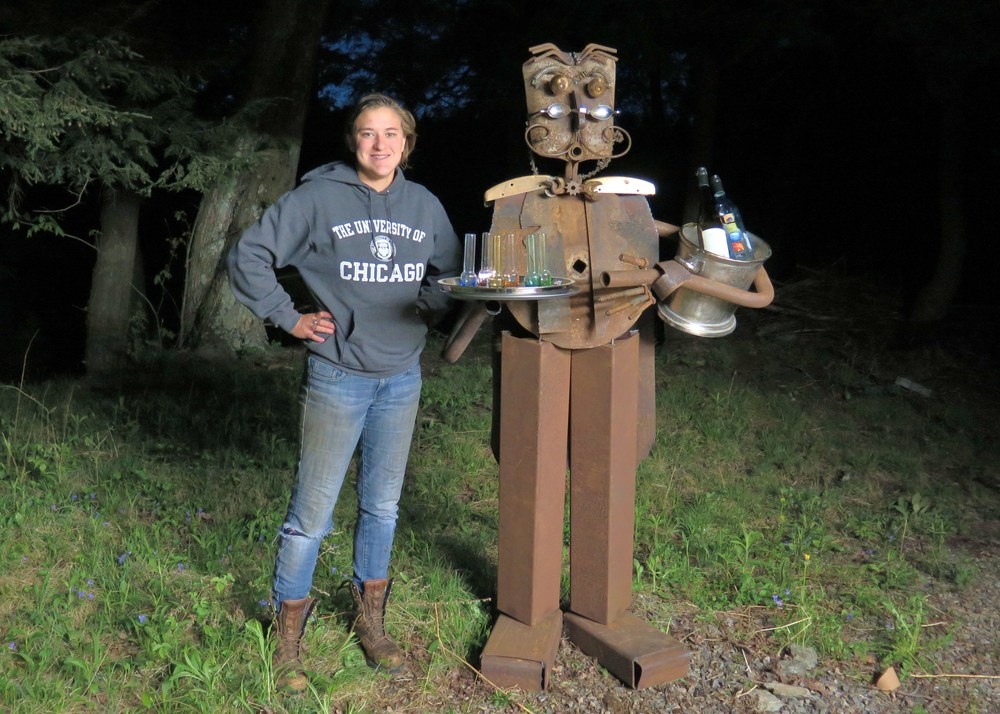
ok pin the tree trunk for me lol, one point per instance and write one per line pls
(113, 291)
(930, 308)
(211, 318)
(283, 71)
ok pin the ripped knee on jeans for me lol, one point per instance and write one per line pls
(289, 531)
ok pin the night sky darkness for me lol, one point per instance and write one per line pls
(831, 154)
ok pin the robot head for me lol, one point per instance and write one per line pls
(571, 104)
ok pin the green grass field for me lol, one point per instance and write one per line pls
(790, 475)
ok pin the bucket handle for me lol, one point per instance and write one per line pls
(670, 275)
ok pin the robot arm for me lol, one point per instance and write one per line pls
(671, 275)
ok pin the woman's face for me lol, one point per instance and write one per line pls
(379, 138)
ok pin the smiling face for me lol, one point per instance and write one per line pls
(379, 146)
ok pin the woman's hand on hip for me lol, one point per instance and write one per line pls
(315, 326)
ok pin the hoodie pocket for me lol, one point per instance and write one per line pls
(385, 336)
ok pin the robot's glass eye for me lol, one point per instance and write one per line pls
(559, 84)
(597, 86)
(602, 112)
(556, 111)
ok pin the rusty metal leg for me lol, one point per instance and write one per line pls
(602, 501)
(603, 399)
(533, 436)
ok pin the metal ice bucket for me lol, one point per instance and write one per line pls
(694, 311)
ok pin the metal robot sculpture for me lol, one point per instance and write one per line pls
(574, 377)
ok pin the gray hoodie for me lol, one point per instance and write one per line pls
(370, 258)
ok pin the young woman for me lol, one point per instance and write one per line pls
(369, 246)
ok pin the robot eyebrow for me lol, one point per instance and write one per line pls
(574, 72)
(599, 73)
(550, 69)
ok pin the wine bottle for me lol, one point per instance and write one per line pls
(737, 239)
(710, 228)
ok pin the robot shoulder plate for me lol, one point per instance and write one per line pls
(619, 185)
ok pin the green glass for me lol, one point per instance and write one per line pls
(542, 259)
(532, 278)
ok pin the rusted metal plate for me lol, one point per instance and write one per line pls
(583, 238)
(635, 652)
(603, 401)
(518, 655)
(534, 428)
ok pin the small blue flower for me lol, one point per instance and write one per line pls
(90, 582)
(92, 495)
(850, 616)
(12, 645)
(180, 567)
(263, 603)
(73, 497)
(55, 507)
(141, 619)
(778, 601)
(788, 591)
(123, 556)
(333, 570)
(81, 594)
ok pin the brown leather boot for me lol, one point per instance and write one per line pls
(369, 625)
(288, 627)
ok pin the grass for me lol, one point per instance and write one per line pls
(138, 520)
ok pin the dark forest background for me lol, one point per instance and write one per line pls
(856, 137)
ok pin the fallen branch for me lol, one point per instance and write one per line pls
(955, 676)
(783, 627)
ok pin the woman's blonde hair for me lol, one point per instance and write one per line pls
(375, 101)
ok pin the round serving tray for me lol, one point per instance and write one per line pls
(560, 287)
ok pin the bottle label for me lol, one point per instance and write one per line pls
(713, 240)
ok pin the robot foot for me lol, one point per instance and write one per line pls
(519, 655)
(632, 650)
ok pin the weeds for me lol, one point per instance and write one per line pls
(139, 521)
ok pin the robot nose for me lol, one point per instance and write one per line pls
(578, 109)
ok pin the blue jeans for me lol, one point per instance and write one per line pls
(339, 410)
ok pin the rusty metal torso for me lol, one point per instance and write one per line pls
(585, 235)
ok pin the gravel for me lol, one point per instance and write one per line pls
(735, 668)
